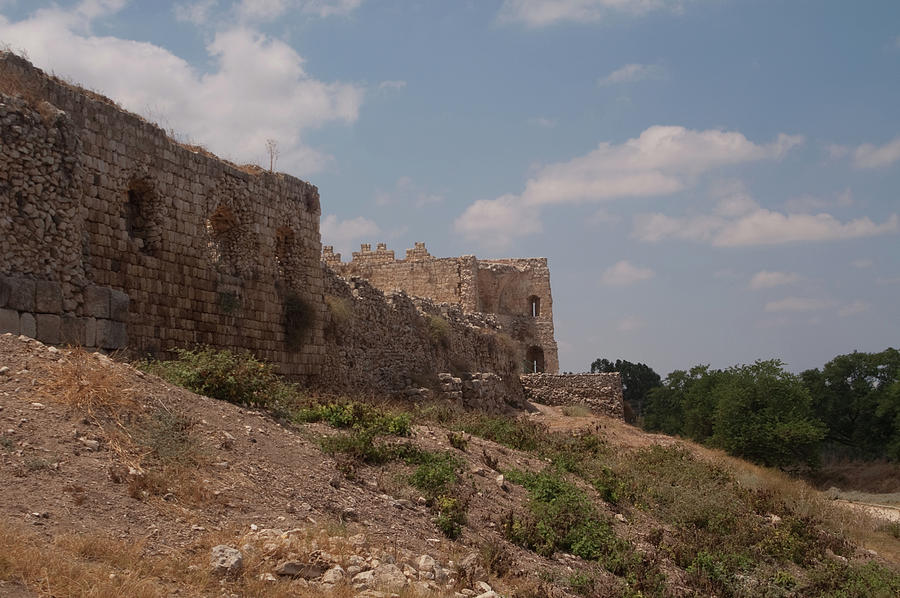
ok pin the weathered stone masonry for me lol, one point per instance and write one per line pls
(515, 291)
(111, 234)
(602, 393)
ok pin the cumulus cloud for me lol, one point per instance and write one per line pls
(630, 323)
(661, 161)
(877, 156)
(766, 280)
(496, 222)
(257, 89)
(757, 226)
(197, 12)
(268, 10)
(540, 13)
(797, 304)
(854, 308)
(631, 73)
(624, 273)
(344, 233)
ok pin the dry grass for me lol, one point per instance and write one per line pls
(576, 411)
(91, 383)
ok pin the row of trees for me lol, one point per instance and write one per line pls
(849, 408)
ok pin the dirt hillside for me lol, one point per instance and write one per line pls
(114, 482)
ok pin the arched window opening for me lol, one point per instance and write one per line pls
(534, 306)
(534, 360)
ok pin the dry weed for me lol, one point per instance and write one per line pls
(91, 383)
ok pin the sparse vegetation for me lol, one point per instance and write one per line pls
(438, 329)
(298, 319)
(233, 376)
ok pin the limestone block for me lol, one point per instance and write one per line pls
(5, 288)
(118, 305)
(48, 328)
(72, 330)
(27, 325)
(21, 294)
(90, 332)
(96, 301)
(47, 297)
(111, 335)
(9, 321)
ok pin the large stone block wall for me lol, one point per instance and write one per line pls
(391, 342)
(95, 201)
(517, 291)
(602, 393)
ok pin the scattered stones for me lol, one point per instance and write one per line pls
(226, 561)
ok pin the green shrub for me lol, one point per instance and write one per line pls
(359, 416)
(844, 580)
(516, 434)
(436, 473)
(458, 441)
(451, 516)
(233, 376)
(438, 329)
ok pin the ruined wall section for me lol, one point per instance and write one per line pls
(602, 393)
(518, 291)
(102, 210)
(391, 342)
(445, 280)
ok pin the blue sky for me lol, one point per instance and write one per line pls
(713, 181)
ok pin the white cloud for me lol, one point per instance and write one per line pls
(496, 222)
(624, 273)
(391, 85)
(757, 226)
(808, 203)
(765, 279)
(631, 73)
(799, 304)
(862, 263)
(344, 233)
(258, 88)
(872, 156)
(854, 308)
(630, 323)
(540, 13)
(542, 121)
(197, 12)
(661, 161)
(269, 10)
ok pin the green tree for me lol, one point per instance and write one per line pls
(765, 414)
(854, 395)
(637, 380)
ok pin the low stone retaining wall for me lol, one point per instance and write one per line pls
(602, 393)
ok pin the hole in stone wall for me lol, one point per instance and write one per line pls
(534, 360)
(222, 228)
(284, 249)
(534, 306)
(138, 212)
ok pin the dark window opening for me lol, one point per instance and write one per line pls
(284, 250)
(138, 216)
(534, 306)
(534, 360)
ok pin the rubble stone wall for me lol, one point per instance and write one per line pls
(97, 203)
(390, 342)
(602, 393)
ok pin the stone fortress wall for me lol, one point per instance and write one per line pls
(113, 236)
(515, 291)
